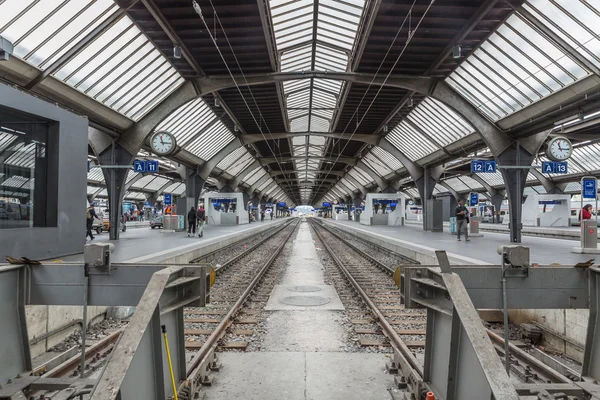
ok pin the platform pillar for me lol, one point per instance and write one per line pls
(425, 184)
(115, 178)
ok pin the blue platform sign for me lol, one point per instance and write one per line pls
(152, 166)
(139, 166)
(561, 167)
(281, 204)
(548, 167)
(474, 199)
(490, 166)
(326, 204)
(477, 166)
(588, 188)
(168, 199)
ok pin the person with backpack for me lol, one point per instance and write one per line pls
(191, 216)
(201, 216)
(89, 219)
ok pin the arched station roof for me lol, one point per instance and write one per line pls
(314, 99)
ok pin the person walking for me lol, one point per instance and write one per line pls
(585, 213)
(89, 216)
(262, 215)
(201, 217)
(462, 220)
(191, 217)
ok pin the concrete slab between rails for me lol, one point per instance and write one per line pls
(277, 300)
(300, 376)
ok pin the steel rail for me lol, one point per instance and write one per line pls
(378, 263)
(211, 343)
(212, 253)
(389, 331)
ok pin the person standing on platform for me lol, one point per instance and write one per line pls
(585, 213)
(191, 222)
(262, 215)
(201, 216)
(462, 220)
(89, 216)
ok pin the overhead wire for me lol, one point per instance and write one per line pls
(410, 37)
(259, 125)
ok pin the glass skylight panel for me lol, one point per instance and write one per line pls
(172, 187)
(179, 190)
(412, 192)
(410, 141)
(440, 189)
(574, 21)
(439, 122)
(531, 177)
(265, 184)
(348, 184)
(254, 176)
(338, 22)
(470, 182)
(376, 165)
(493, 179)
(95, 175)
(513, 68)
(120, 67)
(573, 187)
(354, 172)
(457, 185)
(42, 31)
(143, 181)
(329, 59)
(92, 189)
(188, 120)
(587, 157)
(297, 60)
(157, 183)
(299, 124)
(239, 164)
(392, 162)
(211, 141)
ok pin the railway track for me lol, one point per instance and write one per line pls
(237, 299)
(389, 323)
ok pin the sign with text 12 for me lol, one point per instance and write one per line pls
(483, 166)
(589, 187)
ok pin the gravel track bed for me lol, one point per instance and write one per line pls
(232, 282)
(229, 252)
(360, 269)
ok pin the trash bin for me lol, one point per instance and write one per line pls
(453, 225)
(589, 234)
(474, 227)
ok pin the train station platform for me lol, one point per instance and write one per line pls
(418, 243)
(569, 233)
(146, 245)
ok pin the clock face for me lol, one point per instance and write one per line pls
(559, 149)
(162, 143)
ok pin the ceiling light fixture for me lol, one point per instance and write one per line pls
(411, 102)
(385, 128)
(457, 51)
(217, 102)
(176, 52)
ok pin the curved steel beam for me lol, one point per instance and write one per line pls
(359, 137)
(270, 160)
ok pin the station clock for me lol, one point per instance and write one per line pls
(163, 143)
(559, 149)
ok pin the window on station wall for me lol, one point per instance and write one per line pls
(25, 198)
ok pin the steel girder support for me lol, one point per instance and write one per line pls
(286, 172)
(520, 153)
(271, 160)
(133, 180)
(205, 169)
(456, 195)
(550, 186)
(258, 183)
(92, 196)
(425, 185)
(359, 137)
(378, 180)
(356, 183)
(162, 189)
(240, 177)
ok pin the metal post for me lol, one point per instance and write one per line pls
(424, 204)
(517, 228)
(84, 322)
(505, 306)
(114, 202)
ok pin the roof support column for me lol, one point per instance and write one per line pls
(425, 185)
(550, 186)
(194, 183)
(519, 153)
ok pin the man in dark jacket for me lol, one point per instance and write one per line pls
(201, 216)
(191, 216)
(462, 220)
(89, 216)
